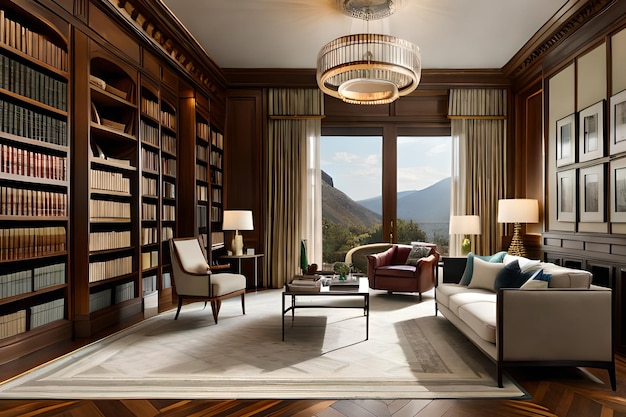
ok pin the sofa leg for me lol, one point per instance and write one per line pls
(500, 385)
(420, 297)
(612, 378)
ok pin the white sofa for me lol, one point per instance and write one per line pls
(568, 323)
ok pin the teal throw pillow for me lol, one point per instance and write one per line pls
(417, 253)
(469, 265)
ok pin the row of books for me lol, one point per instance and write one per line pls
(169, 189)
(103, 209)
(99, 300)
(201, 212)
(27, 202)
(99, 271)
(149, 259)
(216, 159)
(216, 177)
(148, 211)
(124, 292)
(149, 160)
(150, 107)
(49, 275)
(29, 242)
(149, 284)
(109, 181)
(149, 134)
(168, 143)
(109, 240)
(167, 233)
(202, 131)
(202, 153)
(168, 166)
(169, 213)
(202, 192)
(201, 172)
(28, 163)
(45, 313)
(12, 324)
(25, 281)
(149, 186)
(27, 123)
(28, 82)
(217, 139)
(217, 195)
(168, 119)
(149, 235)
(216, 214)
(32, 43)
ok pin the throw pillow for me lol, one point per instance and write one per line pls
(469, 265)
(417, 252)
(538, 280)
(525, 264)
(512, 276)
(485, 274)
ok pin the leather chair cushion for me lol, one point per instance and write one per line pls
(396, 271)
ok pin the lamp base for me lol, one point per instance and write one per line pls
(466, 246)
(237, 245)
(517, 245)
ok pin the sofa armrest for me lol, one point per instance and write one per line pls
(377, 260)
(555, 325)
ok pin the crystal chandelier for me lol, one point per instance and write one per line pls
(368, 68)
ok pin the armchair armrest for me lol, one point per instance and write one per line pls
(377, 260)
(555, 325)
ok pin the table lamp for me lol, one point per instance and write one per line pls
(466, 226)
(517, 211)
(237, 220)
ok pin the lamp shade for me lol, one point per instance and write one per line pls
(464, 225)
(237, 220)
(518, 210)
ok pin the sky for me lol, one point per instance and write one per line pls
(355, 163)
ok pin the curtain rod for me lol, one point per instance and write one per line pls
(279, 117)
(478, 117)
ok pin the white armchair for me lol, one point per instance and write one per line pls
(193, 278)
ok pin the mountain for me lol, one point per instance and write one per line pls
(341, 209)
(429, 205)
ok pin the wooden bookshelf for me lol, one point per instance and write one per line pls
(34, 182)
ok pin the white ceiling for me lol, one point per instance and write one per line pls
(451, 34)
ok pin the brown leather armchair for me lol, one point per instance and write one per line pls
(388, 270)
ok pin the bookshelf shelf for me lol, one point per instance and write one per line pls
(34, 62)
(33, 103)
(60, 149)
(113, 164)
(112, 133)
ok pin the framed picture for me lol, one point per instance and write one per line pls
(591, 203)
(618, 122)
(591, 132)
(618, 190)
(565, 135)
(566, 195)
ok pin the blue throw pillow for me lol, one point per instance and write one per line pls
(469, 265)
(511, 276)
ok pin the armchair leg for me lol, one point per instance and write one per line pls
(215, 306)
(243, 303)
(180, 304)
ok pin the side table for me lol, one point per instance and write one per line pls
(254, 257)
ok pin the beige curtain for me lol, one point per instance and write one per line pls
(478, 121)
(294, 196)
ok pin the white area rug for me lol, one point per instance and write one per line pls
(410, 354)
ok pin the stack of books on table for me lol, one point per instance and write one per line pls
(305, 283)
(347, 284)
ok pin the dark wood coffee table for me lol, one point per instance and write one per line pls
(362, 291)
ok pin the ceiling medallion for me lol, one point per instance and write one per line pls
(368, 68)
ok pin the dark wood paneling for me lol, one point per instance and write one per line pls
(151, 65)
(110, 31)
(244, 164)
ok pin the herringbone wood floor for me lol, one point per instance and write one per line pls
(563, 392)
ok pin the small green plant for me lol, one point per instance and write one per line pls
(342, 269)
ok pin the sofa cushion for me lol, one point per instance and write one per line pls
(443, 292)
(469, 265)
(417, 252)
(484, 275)
(480, 317)
(468, 297)
(563, 277)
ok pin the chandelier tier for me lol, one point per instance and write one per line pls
(368, 68)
